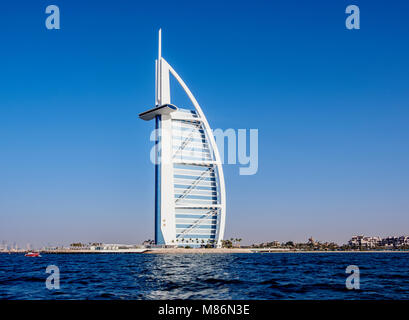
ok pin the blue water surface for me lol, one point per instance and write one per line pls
(206, 276)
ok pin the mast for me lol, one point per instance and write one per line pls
(162, 77)
(160, 45)
(159, 71)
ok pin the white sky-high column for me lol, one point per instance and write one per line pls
(165, 178)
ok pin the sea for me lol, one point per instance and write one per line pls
(262, 276)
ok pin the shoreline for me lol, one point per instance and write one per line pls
(255, 250)
(197, 251)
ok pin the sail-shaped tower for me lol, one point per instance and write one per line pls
(190, 196)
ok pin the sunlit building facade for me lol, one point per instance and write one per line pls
(190, 200)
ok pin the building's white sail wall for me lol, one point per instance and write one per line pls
(220, 207)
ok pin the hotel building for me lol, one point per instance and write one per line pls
(190, 200)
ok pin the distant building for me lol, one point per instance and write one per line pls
(96, 247)
(148, 243)
(311, 241)
(364, 241)
(395, 242)
(371, 242)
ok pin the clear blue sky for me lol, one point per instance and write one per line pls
(331, 106)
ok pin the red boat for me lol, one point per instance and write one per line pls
(32, 254)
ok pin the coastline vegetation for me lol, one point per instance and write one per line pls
(312, 245)
(357, 243)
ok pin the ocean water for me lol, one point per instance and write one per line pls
(206, 276)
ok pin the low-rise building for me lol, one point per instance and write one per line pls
(362, 241)
(395, 242)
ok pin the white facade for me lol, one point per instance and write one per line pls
(190, 201)
(363, 241)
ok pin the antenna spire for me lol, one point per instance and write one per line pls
(160, 45)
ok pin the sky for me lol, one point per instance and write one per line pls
(331, 106)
